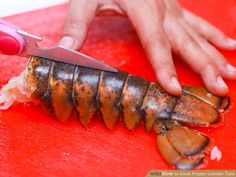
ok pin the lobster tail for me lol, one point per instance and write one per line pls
(62, 88)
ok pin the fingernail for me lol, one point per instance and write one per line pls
(67, 42)
(231, 42)
(230, 68)
(175, 83)
(221, 83)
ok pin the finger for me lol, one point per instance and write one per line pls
(193, 54)
(213, 80)
(149, 28)
(209, 32)
(110, 8)
(227, 70)
(79, 17)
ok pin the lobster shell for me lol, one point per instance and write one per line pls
(64, 88)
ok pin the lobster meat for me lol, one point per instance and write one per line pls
(64, 88)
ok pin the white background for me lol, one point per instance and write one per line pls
(12, 7)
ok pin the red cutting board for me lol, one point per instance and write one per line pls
(33, 144)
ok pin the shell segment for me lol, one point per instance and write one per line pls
(84, 92)
(36, 75)
(131, 100)
(60, 89)
(157, 104)
(109, 93)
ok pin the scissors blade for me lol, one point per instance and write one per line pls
(62, 54)
(59, 53)
(9, 25)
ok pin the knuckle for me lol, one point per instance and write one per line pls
(74, 28)
(71, 24)
(184, 44)
(202, 66)
(188, 43)
(208, 67)
(164, 65)
(186, 40)
(157, 42)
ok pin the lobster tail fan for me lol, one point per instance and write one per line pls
(187, 164)
(219, 103)
(180, 146)
(194, 111)
(197, 106)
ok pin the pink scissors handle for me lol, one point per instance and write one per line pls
(11, 43)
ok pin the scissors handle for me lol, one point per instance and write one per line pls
(11, 43)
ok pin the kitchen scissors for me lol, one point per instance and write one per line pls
(14, 41)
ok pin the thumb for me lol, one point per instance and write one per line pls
(79, 17)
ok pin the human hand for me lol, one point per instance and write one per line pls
(162, 26)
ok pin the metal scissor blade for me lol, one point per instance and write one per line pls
(59, 53)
